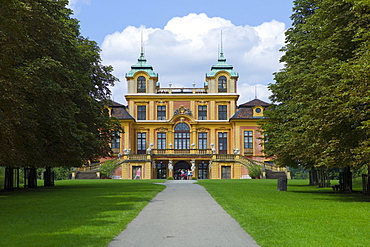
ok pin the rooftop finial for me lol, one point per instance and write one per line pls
(255, 92)
(222, 49)
(142, 44)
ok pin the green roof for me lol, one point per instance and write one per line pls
(141, 65)
(222, 66)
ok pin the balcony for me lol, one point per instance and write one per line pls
(182, 91)
(181, 152)
(248, 151)
(226, 157)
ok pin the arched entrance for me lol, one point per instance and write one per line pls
(180, 165)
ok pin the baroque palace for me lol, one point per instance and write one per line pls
(167, 130)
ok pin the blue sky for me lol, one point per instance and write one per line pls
(181, 38)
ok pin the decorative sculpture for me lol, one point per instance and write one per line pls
(170, 167)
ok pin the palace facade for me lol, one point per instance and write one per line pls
(167, 130)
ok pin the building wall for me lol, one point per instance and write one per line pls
(182, 107)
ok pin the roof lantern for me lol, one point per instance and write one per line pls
(222, 65)
(141, 65)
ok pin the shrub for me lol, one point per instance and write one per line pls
(194, 178)
(62, 172)
(254, 171)
(170, 178)
(107, 168)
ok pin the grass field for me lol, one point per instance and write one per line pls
(92, 212)
(73, 213)
(302, 216)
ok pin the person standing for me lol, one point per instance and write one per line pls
(183, 175)
(189, 174)
(138, 174)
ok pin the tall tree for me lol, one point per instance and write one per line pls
(319, 119)
(53, 87)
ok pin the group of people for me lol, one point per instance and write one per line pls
(186, 174)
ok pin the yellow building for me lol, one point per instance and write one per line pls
(167, 130)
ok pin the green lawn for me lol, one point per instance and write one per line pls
(92, 212)
(302, 216)
(73, 213)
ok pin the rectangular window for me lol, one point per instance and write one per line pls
(222, 112)
(182, 140)
(141, 112)
(161, 140)
(248, 139)
(116, 139)
(161, 112)
(141, 143)
(202, 140)
(202, 112)
(222, 143)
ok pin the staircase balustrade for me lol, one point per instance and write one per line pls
(180, 151)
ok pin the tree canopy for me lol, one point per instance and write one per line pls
(321, 98)
(53, 88)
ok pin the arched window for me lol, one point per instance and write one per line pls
(141, 84)
(222, 84)
(182, 136)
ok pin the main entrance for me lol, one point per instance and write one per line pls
(180, 165)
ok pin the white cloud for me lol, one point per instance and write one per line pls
(186, 48)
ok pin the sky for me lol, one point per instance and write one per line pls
(182, 38)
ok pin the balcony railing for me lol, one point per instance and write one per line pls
(182, 90)
(181, 151)
(226, 157)
(137, 157)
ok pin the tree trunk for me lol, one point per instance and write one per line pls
(48, 177)
(323, 178)
(345, 180)
(366, 184)
(313, 177)
(11, 179)
(30, 177)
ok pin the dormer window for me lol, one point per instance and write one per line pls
(141, 84)
(222, 84)
(257, 112)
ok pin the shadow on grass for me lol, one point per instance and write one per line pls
(73, 213)
(329, 194)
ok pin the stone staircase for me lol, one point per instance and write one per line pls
(269, 171)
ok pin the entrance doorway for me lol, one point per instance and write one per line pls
(225, 172)
(136, 172)
(203, 170)
(161, 170)
(180, 165)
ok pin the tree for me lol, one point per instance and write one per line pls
(320, 114)
(53, 88)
